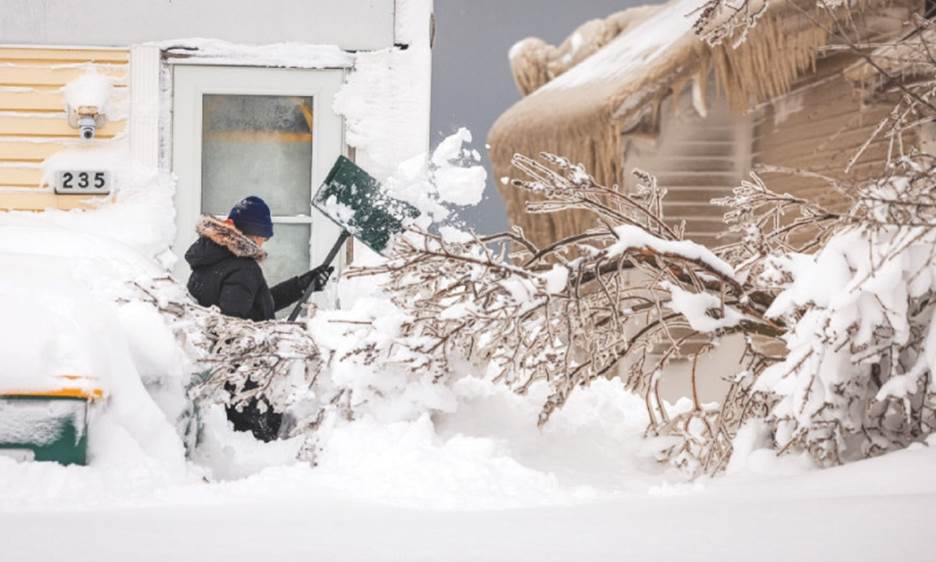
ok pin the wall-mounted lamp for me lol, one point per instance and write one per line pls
(87, 119)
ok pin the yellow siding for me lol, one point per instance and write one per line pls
(33, 152)
(33, 124)
(31, 99)
(60, 56)
(35, 200)
(828, 127)
(53, 74)
(53, 126)
(20, 177)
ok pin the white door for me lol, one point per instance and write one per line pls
(270, 132)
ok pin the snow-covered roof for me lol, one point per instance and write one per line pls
(633, 51)
(535, 62)
(571, 114)
(584, 112)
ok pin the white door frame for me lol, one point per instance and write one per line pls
(191, 82)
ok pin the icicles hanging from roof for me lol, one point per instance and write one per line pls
(777, 52)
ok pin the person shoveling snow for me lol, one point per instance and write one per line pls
(225, 268)
(226, 273)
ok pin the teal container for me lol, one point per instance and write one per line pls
(44, 428)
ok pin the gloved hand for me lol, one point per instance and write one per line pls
(317, 277)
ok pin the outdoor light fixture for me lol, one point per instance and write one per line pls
(86, 118)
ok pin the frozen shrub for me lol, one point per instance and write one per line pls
(625, 298)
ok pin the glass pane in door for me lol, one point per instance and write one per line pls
(257, 145)
(261, 145)
(287, 252)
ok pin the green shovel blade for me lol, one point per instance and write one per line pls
(356, 202)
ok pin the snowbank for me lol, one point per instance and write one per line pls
(69, 310)
(61, 320)
(384, 102)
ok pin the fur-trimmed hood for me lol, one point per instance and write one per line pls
(227, 237)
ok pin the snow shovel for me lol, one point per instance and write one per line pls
(355, 201)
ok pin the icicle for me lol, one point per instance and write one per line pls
(700, 90)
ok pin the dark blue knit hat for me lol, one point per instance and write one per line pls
(252, 216)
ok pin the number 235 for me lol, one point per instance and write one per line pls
(82, 180)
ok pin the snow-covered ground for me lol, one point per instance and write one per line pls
(880, 509)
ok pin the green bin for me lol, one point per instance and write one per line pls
(45, 427)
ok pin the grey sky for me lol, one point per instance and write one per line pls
(471, 80)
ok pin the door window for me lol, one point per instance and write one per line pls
(262, 145)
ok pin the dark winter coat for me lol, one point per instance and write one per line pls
(226, 274)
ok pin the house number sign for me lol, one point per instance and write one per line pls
(82, 182)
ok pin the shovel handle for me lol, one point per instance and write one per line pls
(328, 260)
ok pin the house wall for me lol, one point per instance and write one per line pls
(350, 24)
(820, 126)
(33, 123)
(44, 44)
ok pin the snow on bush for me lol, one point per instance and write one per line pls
(858, 379)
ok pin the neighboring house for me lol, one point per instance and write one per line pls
(639, 89)
(253, 109)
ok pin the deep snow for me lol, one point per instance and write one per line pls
(880, 509)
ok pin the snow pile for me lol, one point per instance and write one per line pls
(230, 455)
(69, 309)
(139, 213)
(384, 103)
(61, 320)
(382, 387)
(704, 311)
(407, 463)
(633, 50)
(89, 90)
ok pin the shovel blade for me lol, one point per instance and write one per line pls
(355, 201)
